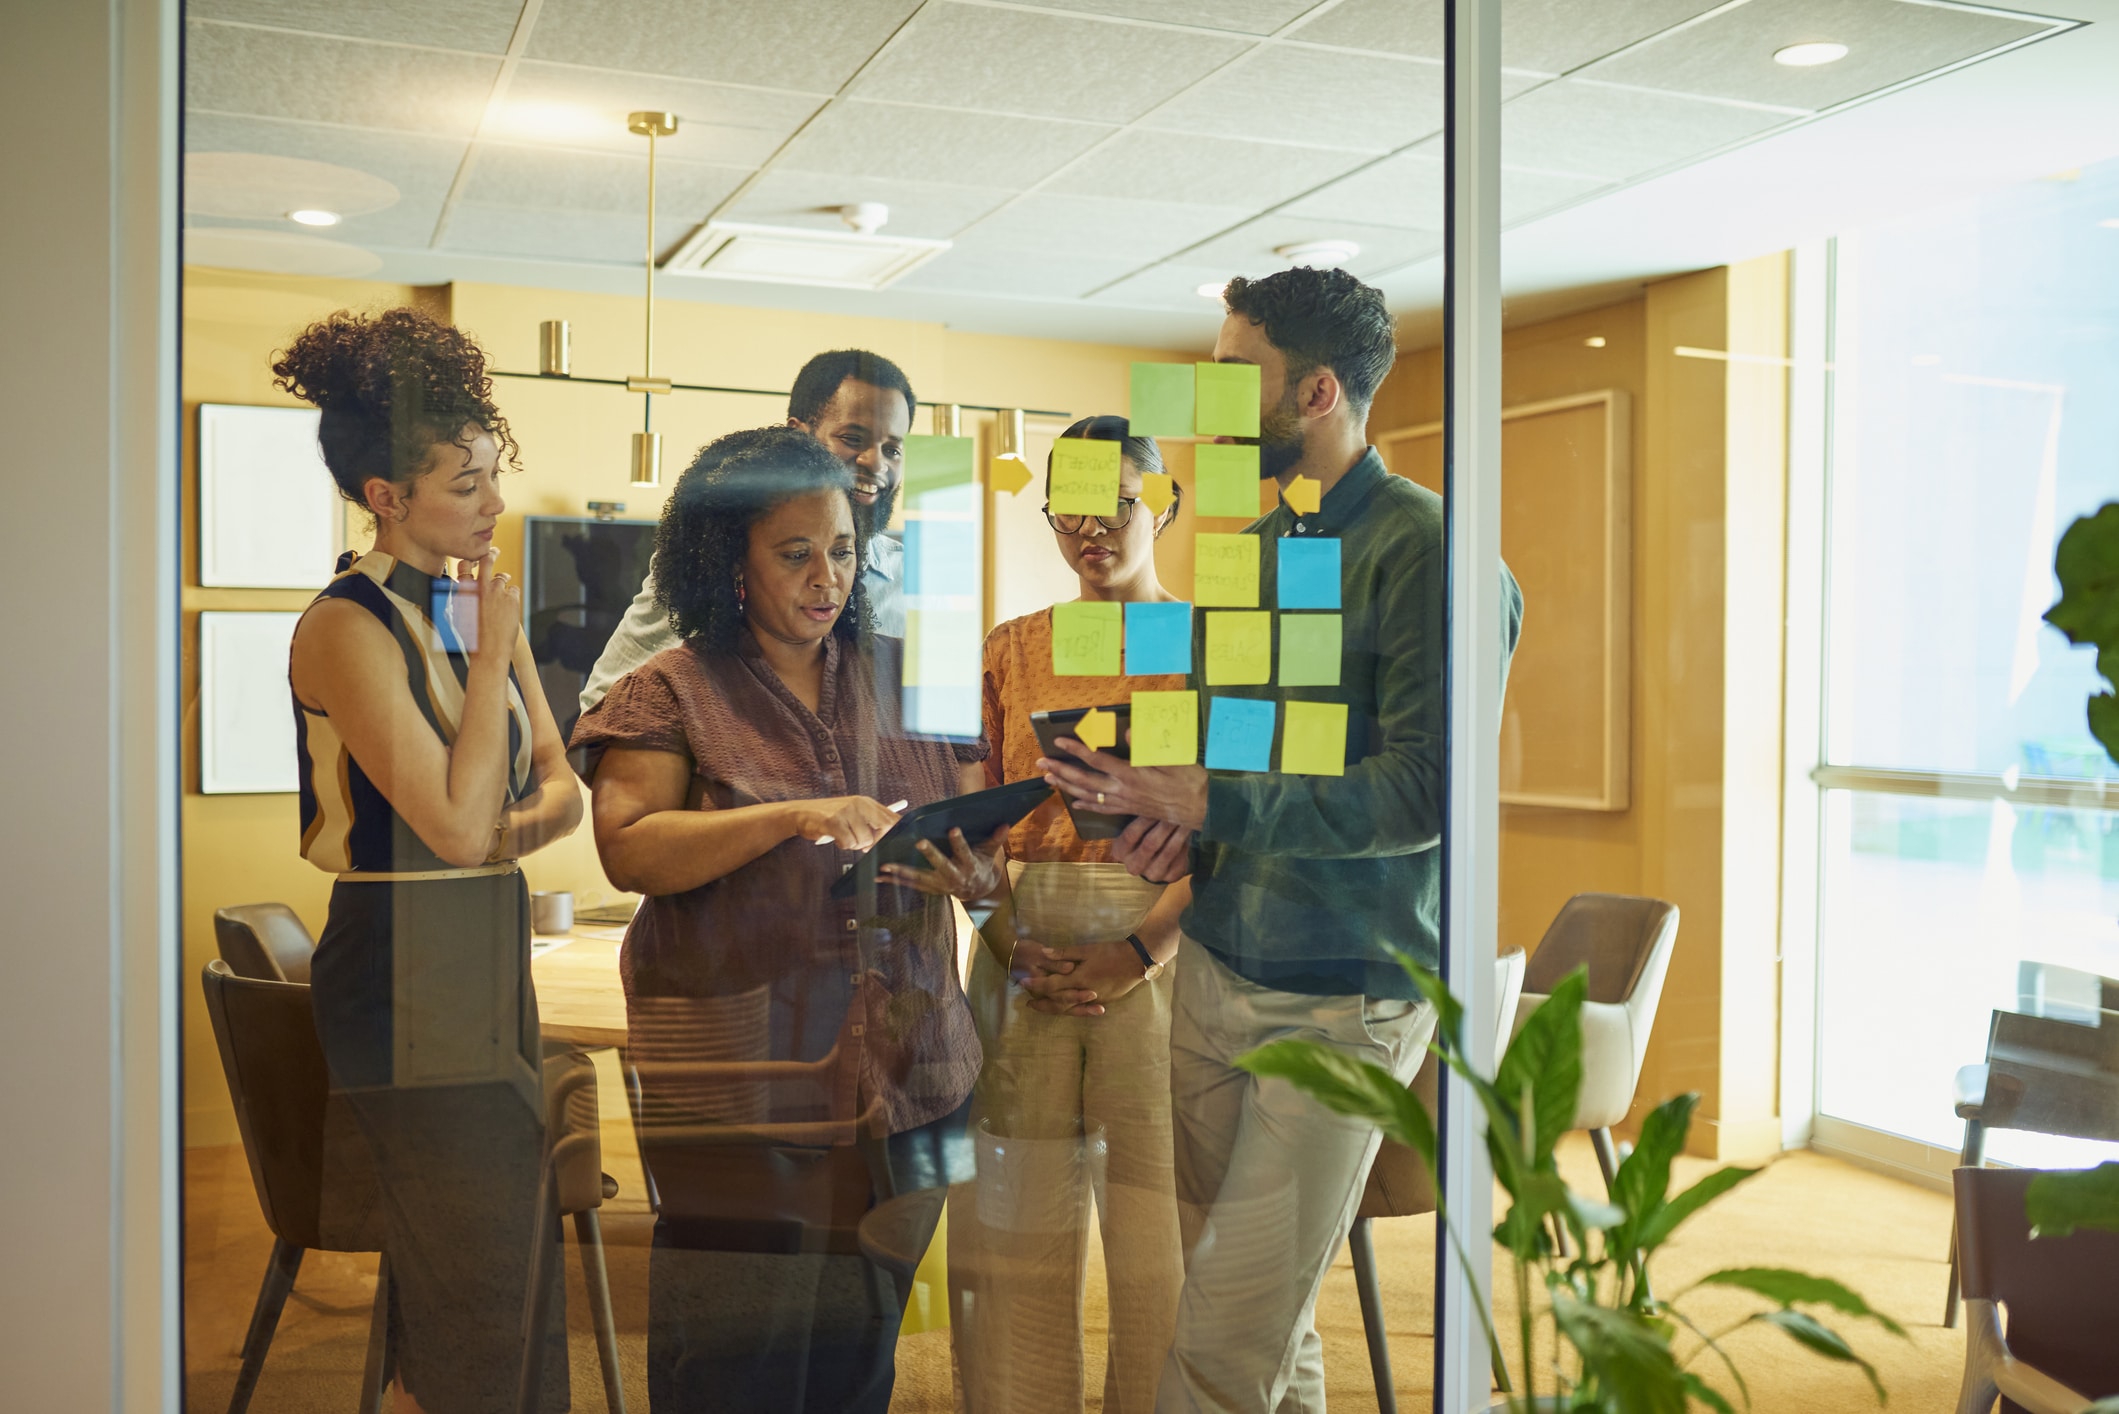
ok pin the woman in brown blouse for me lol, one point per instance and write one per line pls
(799, 1056)
(1075, 1096)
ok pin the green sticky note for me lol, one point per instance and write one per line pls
(1313, 743)
(1225, 399)
(1165, 729)
(1225, 571)
(938, 463)
(1239, 648)
(1084, 477)
(1086, 638)
(1225, 479)
(1161, 405)
(1309, 650)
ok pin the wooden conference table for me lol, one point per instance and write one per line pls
(579, 998)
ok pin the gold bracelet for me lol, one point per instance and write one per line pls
(500, 839)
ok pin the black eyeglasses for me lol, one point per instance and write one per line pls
(1071, 525)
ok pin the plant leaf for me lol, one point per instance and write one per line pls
(1658, 1228)
(1641, 1185)
(1791, 1288)
(2058, 1203)
(1350, 1087)
(1712, 1344)
(1546, 1058)
(1811, 1332)
(1627, 1357)
(1598, 1217)
(1708, 1395)
(1449, 1012)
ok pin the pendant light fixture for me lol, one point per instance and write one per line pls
(647, 442)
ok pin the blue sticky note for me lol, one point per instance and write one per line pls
(1309, 573)
(1239, 734)
(1158, 639)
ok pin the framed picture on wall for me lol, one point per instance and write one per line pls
(269, 514)
(246, 718)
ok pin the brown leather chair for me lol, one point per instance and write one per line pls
(1399, 1185)
(2059, 1353)
(309, 1163)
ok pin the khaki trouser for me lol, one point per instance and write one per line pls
(1068, 1109)
(1267, 1182)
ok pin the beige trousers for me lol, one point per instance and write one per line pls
(1068, 1110)
(1267, 1183)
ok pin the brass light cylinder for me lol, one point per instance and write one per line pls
(647, 458)
(1008, 433)
(948, 420)
(555, 349)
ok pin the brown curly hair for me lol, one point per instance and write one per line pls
(390, 387)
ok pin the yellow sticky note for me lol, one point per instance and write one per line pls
(1008, 474)
(1084, 477)
(1303, 495)
(1225, 571)
(1165, 729)
(1225, 399)
(1239, 648)
(1098, 729)
(1309, 650)
(1157, 491)
(1086, 639)
(1313, 743)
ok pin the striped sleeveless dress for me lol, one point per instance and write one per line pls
(421, 989)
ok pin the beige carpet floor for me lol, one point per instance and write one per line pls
(1885, 1238)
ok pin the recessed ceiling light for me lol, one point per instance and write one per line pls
(1326, 254)
(2110, 223)
(1595, 341)
(313, 216)
(1809, 56)
(1927, 360)
(1213, 289)
(557, 122)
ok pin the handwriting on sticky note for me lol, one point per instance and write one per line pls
(1303, 495)
(937, 464)
(1239, 647)
(1158, 639)
(1225, 571)
(1309, 650)
(1239, 734)
(1157, 491)
(1161, 405)
(1010, 474)
(1225, 399)
(1314, 742)
(1085, 639)
(1225, 476)
(1084, 477)
(1307, 575)
(1165, 729)
(1097, 729)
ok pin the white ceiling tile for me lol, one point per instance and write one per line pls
(1614, 133)
(858, 138)
(1403, 191)
(718, 123)
(928, 210)
(1175, 286)
(1235, 16)
(1386, 26)
(476, 26)
(1013, 61)
(1730, 55)
(536, 178)
(1554, 36)
(1322, 97)
(810, 45)
(981, 268)
(421, 168)
(1527, 195)
(1135, 230)
(264, 73)
(1211, 171)
(1254, 244)
(544, 234)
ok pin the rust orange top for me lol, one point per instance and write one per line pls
(1018, 681)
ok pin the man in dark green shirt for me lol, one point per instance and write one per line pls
(1306, 888)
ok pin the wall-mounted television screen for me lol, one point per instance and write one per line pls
(580, 575)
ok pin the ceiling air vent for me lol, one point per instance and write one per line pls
(792, 255)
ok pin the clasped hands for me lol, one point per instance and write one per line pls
(1168, 804)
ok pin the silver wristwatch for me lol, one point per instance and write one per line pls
(1150, 968)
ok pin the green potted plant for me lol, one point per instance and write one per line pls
(1630, 1352)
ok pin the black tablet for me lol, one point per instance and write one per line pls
(1050, 727)
(978, 815)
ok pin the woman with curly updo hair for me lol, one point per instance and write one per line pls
(799, 1056)
(429, 764)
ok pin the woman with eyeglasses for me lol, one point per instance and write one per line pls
(1072, 997)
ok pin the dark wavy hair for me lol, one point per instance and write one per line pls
(1141, 451)
(705, 530)
(1322, 318)
(391, 386)
(818, 382)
